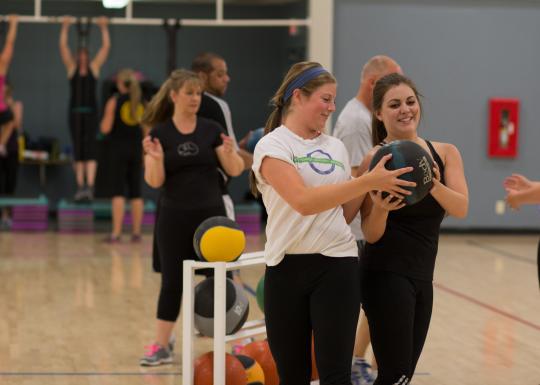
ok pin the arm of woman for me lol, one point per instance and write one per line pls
(284, 178)
(9, 45)
(103, 52)
(65, 52)
(351, 208)
(454, 196)
(229, 159)
(517, 197)
(154, 168)
(108, 116)
(374, 213)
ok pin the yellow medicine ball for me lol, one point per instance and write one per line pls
(219, 239)
(254, 371)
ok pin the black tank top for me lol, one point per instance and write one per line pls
(410, 242)
(126, 129)
(83, 93)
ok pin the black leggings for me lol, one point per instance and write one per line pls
(399, 311)
(174, 240)
(312, 292)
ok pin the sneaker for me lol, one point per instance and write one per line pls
(156, 355)
(136, 238)
(6, 224)
(80, 195)
(111, 239)
(89, 193)
(361, 372)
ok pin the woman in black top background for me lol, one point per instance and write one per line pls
(183, 152)
(402, 242)
(120, 171)
(83, 73)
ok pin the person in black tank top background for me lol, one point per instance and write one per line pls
(182, 154)
(401, 242)
(123, 170)
(522, 191)
(83, 114)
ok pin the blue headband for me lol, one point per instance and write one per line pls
(301, 81)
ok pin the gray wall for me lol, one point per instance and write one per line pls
(257, 59)
(460, 54)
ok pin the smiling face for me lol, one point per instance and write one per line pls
(400, 112)
(317, 107)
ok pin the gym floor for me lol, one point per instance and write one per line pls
(75, 310)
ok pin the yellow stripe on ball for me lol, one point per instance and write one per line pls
(222, 244)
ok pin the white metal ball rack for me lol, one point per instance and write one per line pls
(250, 328)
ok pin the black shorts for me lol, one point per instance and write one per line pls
(6, 116)
(84, 129)
(123, 171)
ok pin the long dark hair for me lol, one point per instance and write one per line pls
(281, 107)
(378, 130)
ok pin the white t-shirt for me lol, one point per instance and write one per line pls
(353, 127)
(319, 161)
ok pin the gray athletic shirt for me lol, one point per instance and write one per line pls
(353, 127)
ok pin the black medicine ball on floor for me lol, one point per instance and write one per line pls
(406, 153)
(236, 307)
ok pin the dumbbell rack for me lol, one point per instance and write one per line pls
(250, 328)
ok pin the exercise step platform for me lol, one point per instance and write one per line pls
(248, 217)
(28, 214)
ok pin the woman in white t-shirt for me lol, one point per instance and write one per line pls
(311, 280)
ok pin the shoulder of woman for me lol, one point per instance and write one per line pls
(445, 147)
(446, 150)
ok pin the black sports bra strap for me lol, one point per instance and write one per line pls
(437, 159)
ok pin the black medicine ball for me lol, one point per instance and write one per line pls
(236, 307)
(406, 153)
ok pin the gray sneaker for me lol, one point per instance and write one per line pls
(80, 195)
(156, 355)
(89, 193)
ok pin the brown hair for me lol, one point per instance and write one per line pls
(161, 107)
(383, 85)
(281, 106)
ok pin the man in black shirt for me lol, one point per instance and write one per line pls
(212, 69)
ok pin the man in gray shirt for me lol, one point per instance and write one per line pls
(353, 127)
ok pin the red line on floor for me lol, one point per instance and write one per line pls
(487, 306)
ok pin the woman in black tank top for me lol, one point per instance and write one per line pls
(120, 169)
(399, 259)
(83, 72)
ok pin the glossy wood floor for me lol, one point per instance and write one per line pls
(76, 311)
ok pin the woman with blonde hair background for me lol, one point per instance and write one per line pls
(121, 123)
(182, 155)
